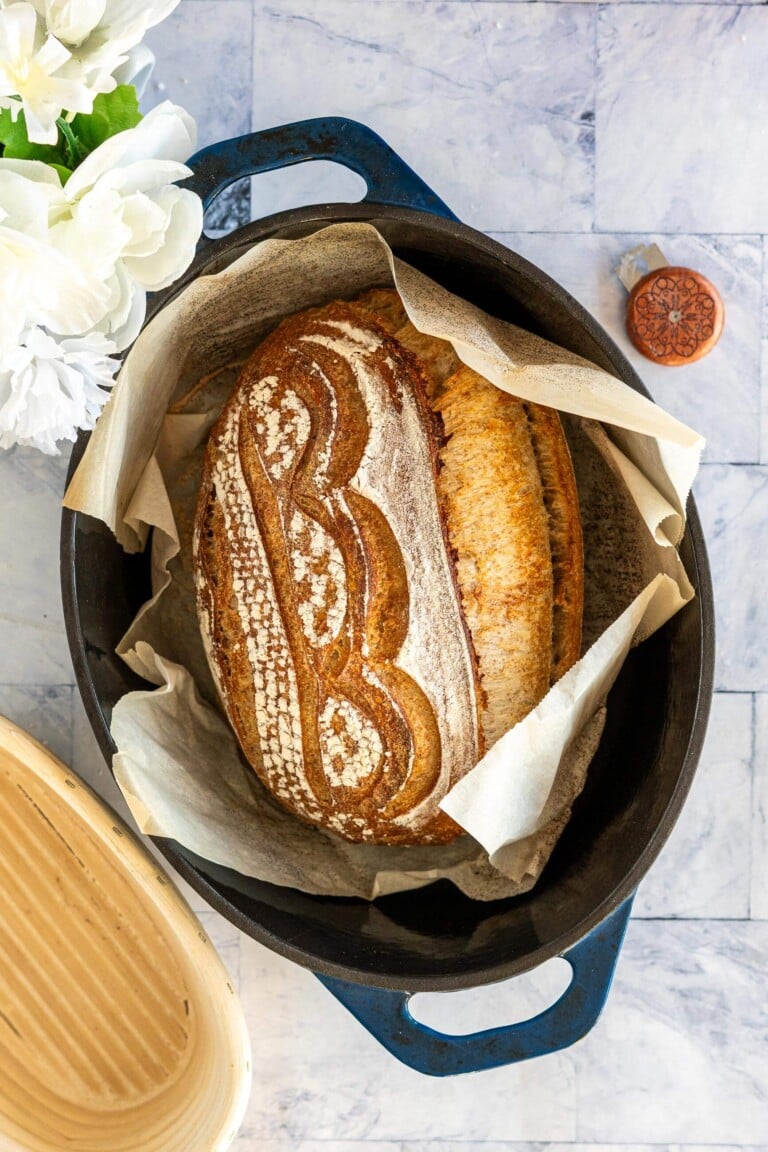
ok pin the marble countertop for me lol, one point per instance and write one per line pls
(570, 132)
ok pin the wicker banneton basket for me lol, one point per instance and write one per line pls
(119, 1027)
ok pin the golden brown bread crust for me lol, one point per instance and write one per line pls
(383, 306)
(305, 599)
(561, 500)
(553, 459)
(498, 527)
(316, 567)
(436, 357)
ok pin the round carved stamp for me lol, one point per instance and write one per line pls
(674, 316)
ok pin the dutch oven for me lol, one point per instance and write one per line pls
(374, 956)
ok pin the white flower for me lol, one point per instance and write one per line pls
(58, 55)
(49, 388)
(130, 226)
(94, 24)
(13, 306)
(137, 69)
(83, 257)
(24, 220)
(40, 284)
(121, 25)
(31, 197)
(167, 133)
(125, 310)
(71, 21)
(101, 42)
(76, 262)
(38, 68)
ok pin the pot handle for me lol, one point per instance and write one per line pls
(388, 178)
(386, 1016)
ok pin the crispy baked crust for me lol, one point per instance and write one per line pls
(326, 593)
(498, 526)
(388, 565)
(509, 496)
(561, 500)
(436, 357)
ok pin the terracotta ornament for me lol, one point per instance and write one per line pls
(674, 316)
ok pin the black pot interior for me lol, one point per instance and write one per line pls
(435, 937)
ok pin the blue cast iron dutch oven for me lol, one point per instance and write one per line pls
(374, 956)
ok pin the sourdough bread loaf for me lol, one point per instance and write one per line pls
(388, 567)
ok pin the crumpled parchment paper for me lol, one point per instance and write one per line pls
(178, 763)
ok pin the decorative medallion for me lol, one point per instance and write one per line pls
(674, 316)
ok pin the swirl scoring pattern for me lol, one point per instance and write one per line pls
(333, 620)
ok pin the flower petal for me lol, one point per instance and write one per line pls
(125, 313)
(147, 221)
(35, 170)
(30, 67)
(41, 121)
(185, 223)
(144, 176)
(57, 293)
(18, 26)
(133, 17)
(50, 388)
(136, 69)
(30, 193)
(52, 55)
(71, 20)
(165, 133)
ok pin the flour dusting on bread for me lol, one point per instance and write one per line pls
(388, 567)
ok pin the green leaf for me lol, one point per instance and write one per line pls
(113, 112)
(62, 172)
(74, 150)
(16, 146)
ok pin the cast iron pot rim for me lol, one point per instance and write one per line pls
(323, 215)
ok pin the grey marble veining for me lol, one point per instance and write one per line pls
(759, 901)
(573, 131)
(681, 1051)
(764, 360)
(319, 1075)
(203, 54)
(732, 504)
(33, 649)
(43, 710)
(720, 395)
(682, 106)
(481, 1145)
(764, 403)
(492, 1006)
(705, 867)
(679, 1055)
(493, 105)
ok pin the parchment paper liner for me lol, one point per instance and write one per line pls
(178, 763)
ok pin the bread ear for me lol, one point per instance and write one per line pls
(388, 566)
(325, 588)
(509, 497)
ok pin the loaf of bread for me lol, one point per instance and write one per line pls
(388, 565)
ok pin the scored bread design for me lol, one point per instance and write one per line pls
(507, 487)
(388, 567)
(325, 587)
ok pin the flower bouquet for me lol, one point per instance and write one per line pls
(91, 217)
